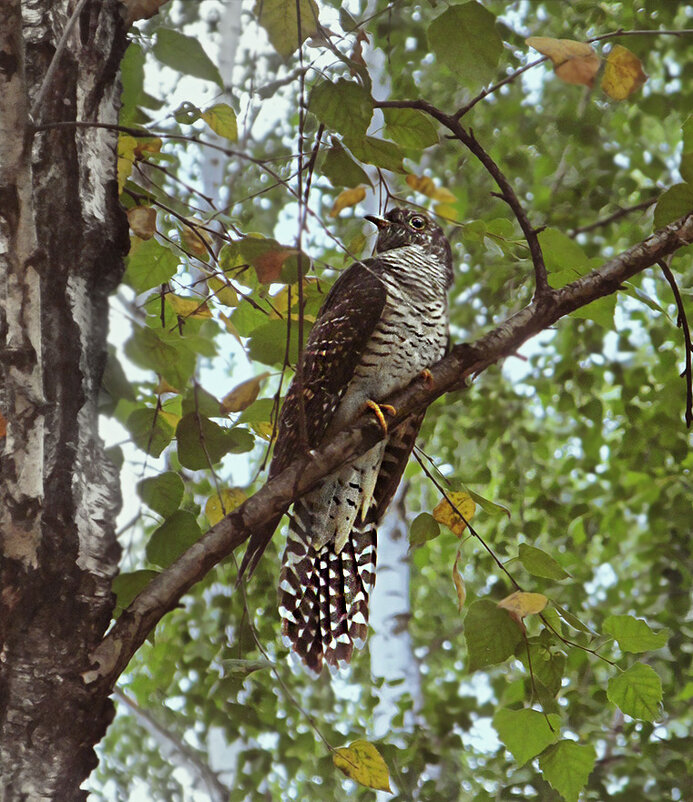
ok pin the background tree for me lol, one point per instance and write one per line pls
(576, 453)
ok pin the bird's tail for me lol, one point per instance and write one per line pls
(323, 594)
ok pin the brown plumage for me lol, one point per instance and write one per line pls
(383, 322)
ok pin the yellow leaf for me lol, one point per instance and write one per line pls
(126, 158)
(221, 118)
(623, 73)
(164, 387)
(459, 584)
(142, 220)
(361, 761)
(196, 239)
(189, 307)
(350, 197)
(218, 506)
(422, 184)
(443, 195)
(223, 292)
(263, 429)
(243, 395)
(147, 144)
(455, 518)
(446, 211)
(573, 62)
(426, 186)
(172, 419)
(520, 604)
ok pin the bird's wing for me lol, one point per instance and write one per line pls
(346, 320)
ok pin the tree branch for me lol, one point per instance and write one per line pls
(682, 322)
(467, 138)
(113, 654)
(617, 215)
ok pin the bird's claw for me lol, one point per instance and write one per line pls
(378, 409)
(427, 378)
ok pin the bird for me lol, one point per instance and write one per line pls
(383, 323)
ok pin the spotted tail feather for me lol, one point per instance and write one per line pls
(323, 595)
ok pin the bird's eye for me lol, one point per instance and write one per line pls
(418, 223)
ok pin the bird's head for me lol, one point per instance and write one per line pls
(402, 227)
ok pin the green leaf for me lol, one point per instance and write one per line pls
(571, 620)
(633, 634)
(672, 204)
(490, 633)
(279, 19)
(379, 152)
(465, 39)
(567, 767)
(267, 343)
(550, 668)
(172, 538)
(149, 430)
(149, 264)
(600, 311)
(221, 118)
(561, 252)
(242, 668)
(185, 54)
(637, 692)
(686, 166)
(687, 132)
(163, 493)
(410, 128)
(539, 563)
(132, 80)
(246, 318)
(341, 170)
(164, 352)
(423, 528)
(202, 442)
(525, 732)
(344, 106)
(129, 585)
(488, 506)
(197, 399)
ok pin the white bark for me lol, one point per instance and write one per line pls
(392, 655)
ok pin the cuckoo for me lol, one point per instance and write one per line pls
(382, 324)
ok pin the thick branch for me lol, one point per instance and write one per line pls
(113, 654)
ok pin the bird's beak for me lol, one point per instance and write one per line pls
(381, 222)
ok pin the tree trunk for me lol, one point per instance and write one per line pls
(62, 239)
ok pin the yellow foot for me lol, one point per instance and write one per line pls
(427, 377)
(378, 409)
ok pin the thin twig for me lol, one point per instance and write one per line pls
(273, 668)
(55, 61)
(302, 206)
(216, 789)
(682, 322)
(617, 215)
(621, 32)
(486, 92)
(473, 531)
(467, 138)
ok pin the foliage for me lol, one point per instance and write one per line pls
(582, 441)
